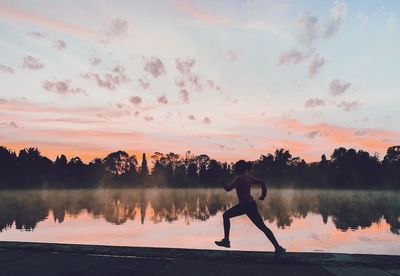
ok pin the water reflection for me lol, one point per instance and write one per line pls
(348, 209)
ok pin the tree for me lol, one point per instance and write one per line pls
(8, 165)
(144, 170)
(60, 167)
(33, 168)
(120, 163)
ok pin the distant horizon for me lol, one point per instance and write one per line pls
(232, 79)
(138, 154)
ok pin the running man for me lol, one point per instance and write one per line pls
(247, 205)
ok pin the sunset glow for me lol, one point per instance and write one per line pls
(231, 79)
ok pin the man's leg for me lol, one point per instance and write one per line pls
(235, 211)
(256, 218)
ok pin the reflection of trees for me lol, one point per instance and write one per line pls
(347, 209)
(25, 211)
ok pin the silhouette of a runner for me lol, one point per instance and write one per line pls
(242, 183)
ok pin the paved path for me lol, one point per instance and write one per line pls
(62, 259)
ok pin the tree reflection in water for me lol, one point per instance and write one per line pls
(348, 209)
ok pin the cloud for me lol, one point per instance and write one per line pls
(135, 100)
(116, 28)
(62, 87)
(32, 63)
(337, 15)
(206, 121)
(191, 117)
(232, 56)
(144, 83)
(155, 67)
(185, 68)
(94, 61)
(337, 87)
(293, 56)
(334, 136)
(307, 29)
(6, 69)
(180, 83)
(199, 14)
(108, 80)
(162, 99)
(360, 132)
(312, 134)
(148, 118)
(60, 45)
(184, 95)
(11, 124)
(311, 103)
(20, 15)
(35, 34)
(3, 101)
(349, 106)
(315, 66)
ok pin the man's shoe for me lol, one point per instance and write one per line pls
(224, 243)
(279, 252)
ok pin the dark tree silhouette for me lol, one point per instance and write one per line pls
(346, 168)
(144, 170)
(8, 166)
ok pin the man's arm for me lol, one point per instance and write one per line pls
(229, 186)
(263, 187)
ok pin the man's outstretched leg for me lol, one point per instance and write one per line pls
(256, 218)
(235, 211)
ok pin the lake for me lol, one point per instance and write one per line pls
(366, 222)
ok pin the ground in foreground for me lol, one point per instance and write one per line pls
(63, 259)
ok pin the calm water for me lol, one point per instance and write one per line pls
(302, 220)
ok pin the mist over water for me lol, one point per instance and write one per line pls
(304, 220)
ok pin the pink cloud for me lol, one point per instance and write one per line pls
(31, 18)
(316, 64)
(337, 87)
(148, 118)
(135, 100)
(184, 95)
(232, 56)
(144, 83)
(162, 99)
(375, 140)
(199, 14)
(192, 117)
(35, 34)
(349, 106)
(32, 63)
(11, 124)
(155, 67)
(60, 45)
(337, 14)
(94, 61)
(307, 29)
(109, 81)
(206, 121)
(62, 87)
(117, 27)
(6, 69)
(185, 68)
(311, 103)
(293, 56)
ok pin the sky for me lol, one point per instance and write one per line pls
(231, 79)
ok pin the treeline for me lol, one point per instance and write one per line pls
(346, 168)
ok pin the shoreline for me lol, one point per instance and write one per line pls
(208, 254)
(29, 258)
